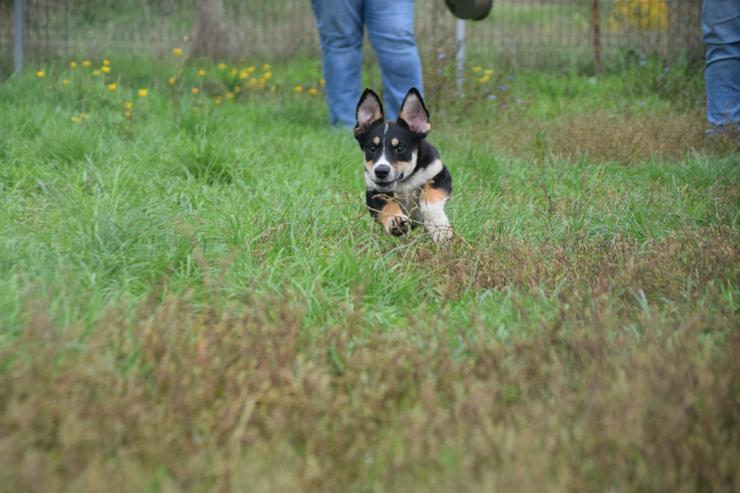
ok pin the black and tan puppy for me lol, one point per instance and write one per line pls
(407, 184)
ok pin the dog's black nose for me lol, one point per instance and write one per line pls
(382, 171)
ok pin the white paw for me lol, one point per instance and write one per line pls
(441, 234)
(398, 225)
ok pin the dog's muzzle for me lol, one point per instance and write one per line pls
(381, 172)
(386, 185)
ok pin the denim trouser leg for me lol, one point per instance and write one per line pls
(340, 33)
(390, 26)
(721, 26)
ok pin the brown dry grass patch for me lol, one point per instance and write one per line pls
(604, 137)
(659, 267)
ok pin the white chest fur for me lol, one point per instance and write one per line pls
(418, 179)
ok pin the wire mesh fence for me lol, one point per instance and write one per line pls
(546, 34)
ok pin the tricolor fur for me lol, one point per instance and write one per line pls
(407, 183)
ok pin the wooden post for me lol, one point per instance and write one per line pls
(596, 20)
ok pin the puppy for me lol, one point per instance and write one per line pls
(407, 183)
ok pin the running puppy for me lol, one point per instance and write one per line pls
(407, 184)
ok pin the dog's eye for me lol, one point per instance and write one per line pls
(400, 149)
(372, 148)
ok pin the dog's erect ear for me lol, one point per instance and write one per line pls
(414, 113)
(369, 110)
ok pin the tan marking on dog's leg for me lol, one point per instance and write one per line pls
(393, 219)
(389, 211)
(433, 195)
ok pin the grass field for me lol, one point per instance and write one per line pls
(193, 297)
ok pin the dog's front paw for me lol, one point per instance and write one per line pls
(441, 234)
(398, 225)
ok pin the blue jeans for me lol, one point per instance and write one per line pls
(390, 27)
(721, 26)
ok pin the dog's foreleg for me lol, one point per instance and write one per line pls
(388, 212)
(432, 205)
(435, 220)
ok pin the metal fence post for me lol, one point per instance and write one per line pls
(18, 38)
(460, 56)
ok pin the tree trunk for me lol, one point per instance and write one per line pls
(211, 38)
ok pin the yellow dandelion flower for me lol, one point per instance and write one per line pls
(243, 74)
(106, 62)
(217, 100)
(230, 95)
(488, 72)
(40, 74)
(267, 75)
(86, 63)
(322, 82)
(251, 69)
(222, 66)
(484, 79)
(266, 66)
(143, 92)
(65, 82)
(105, 69)
(112, 87)
(177, 51)
(73, 65)
(172, 81)
(128, 105)
(298, 89)
(313, 91)
(96, 72)
(202, 73)
(477, 69)
(195, 90)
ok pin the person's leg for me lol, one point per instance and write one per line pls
(721, 27)
(390, 26)
(340, 32)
